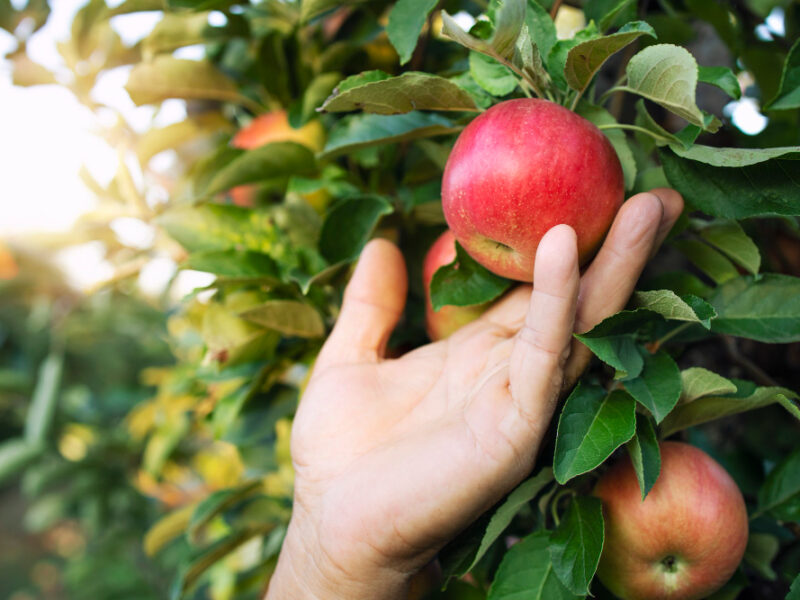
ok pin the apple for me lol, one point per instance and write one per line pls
(521, 168)
(684, 541)
(442, 323)
(266, 129)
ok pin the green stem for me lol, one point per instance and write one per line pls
(576, 100)
(652, 134)
(608, 93)
(673, 333)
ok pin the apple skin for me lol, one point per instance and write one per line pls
(448, 319)
(521, 168)
(684, 541)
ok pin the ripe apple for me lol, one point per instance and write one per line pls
(521, 168)
(265, 129)
(448, 319)
(684, 541)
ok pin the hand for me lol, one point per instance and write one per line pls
(394, 457)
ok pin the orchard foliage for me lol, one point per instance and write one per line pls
(392, 85)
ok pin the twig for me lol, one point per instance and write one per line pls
(554, 9)
(756, 372)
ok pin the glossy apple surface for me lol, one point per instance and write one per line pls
(521, 168)
(687, 537)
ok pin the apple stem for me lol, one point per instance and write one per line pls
(652, 134)
(671, 334)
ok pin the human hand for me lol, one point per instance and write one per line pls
(393, 457)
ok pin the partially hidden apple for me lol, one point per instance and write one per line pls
(266, 129)
(521, 168)
(442, 323)
(684, 541)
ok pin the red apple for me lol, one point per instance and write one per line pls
(684, 541)
(448, 319)
(521, 168)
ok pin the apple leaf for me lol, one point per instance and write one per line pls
(645, 120)
(557, 57)
(697, 382)
(585, 59)
(617, 351)
(708, 259)
(762, 548)
(600, 116)
(526, 571)
(576, 545)
(721, 77)
(312, 8)
(176, 30)
(362, 131)
(730, 238)
(788, 95)
(235, 264)
(167, 77)
(604, 12)
(16, 454)
(508, 21)
(397, 95)
(658, 387)
(348, 225)
(768, 188)
(794, 590)
(780, 494)
(735, 157)
(766, 309)
(592, 425)
(289, 317)
(541, 28)
(645, 454)
(465, 282)
(44, 400)
(452, 30)
(672, 307)
(406, 20)
(215, 503)
(495, 78)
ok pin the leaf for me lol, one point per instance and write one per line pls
(729, 237)
(769, 188)
(348, 225)
(709, 260)
(406, 20)
(672, 307)
(780, 488)
(788, 95)
(216, 503)
(174, 135)
(541, 28)
(168, 77)
(313, 8)
(526, 571)
(557, 57)
(585, 60)
(396, 95)
(576, 545)
(278, 159)
(320, 88)
(465, 282)
(658, 387)
(734, 157)
(765, 309)
(667, 75)
(15, 455)
(591, 426)
(604, 12)
(721, 77)
(176, 30)
(166, 529)
(452, 30)
(710, 408)
(508, 22)
(794, 590)
(235, 264)
(42, 409)
(617, 351)
(698, 383)
(289, 317)
(600, 116)
(362, 131)
(645, 454)
(495, 78)
(762, 548)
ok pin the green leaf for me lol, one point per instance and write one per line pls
(672, 307)
(762, 548)
(215, 504)
(176, 30)
(362, 131)
(604, 12)
(541, 28)
(585, 60)
(768, 188)
(320, 88)
(396, 95)
(527, 572)
(709, 260)
(780, 488)
(235, 264)
(349, 224)
(557, 58)
(406, 20)
(15, 455)
(465, 282)
(167, 77)
(658, 387)
(174, 135)
(721, 77)
(667, 75)
(729, 237)
(788, 96)
(645, 120)
(278, 159)
(508, 22)
(591, 426)
(600, 116)
(289, 317)
(495, 78)
(710, 408)
(645, 454)
(734, 157)
(765, 309)
(313, 8)
(698, 383)
(42, 409)
(794, 590)
(576, 545)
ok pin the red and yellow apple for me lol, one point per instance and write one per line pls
(521, 168)
(684, 541)
(442, 323)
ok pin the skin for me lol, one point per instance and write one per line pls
(393, 457)
(687, 537)
(541, 165)
(448, 319)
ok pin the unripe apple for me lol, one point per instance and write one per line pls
(521, 168)
(684, 541)
(440, 324)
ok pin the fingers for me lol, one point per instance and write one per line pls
(639, 228)
(541, 346)
(373, 302)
